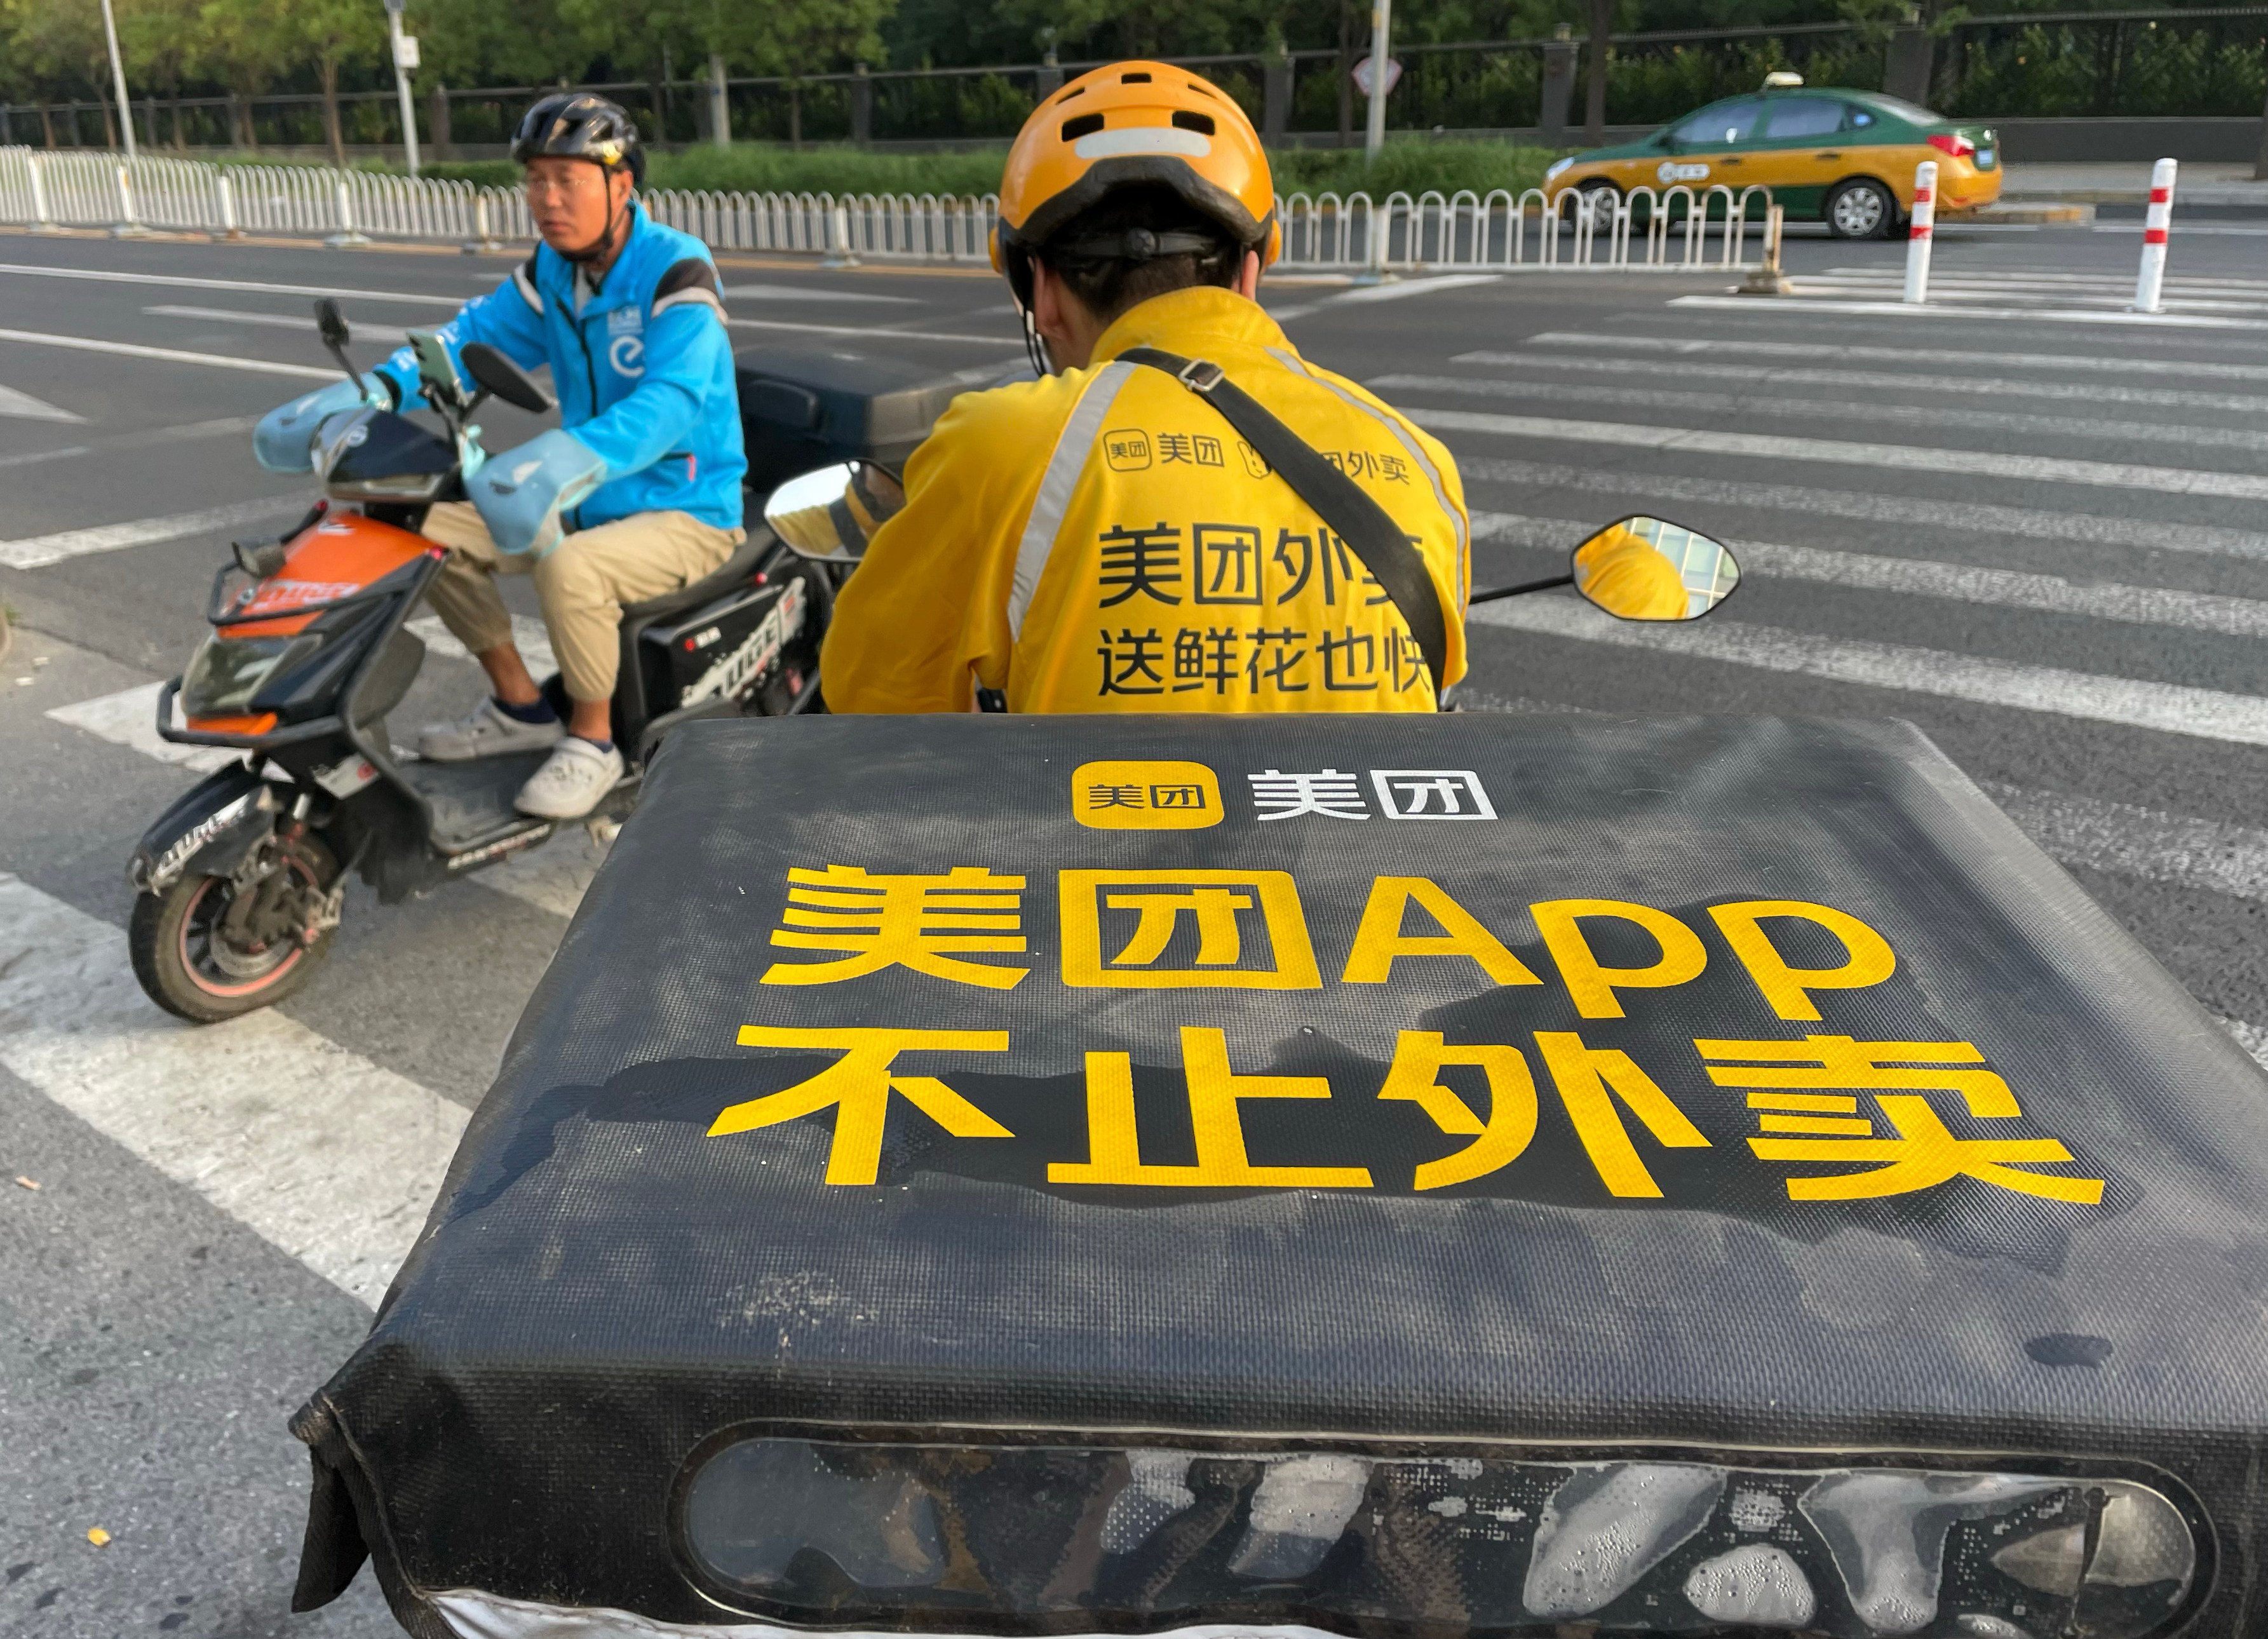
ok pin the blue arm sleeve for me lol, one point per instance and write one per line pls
(682, 348)
(502, 318)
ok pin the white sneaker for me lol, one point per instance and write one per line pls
(572, 780)
(488, 731)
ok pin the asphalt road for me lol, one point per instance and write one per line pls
(2021, 520)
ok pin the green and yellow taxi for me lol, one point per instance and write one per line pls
(1845, 157)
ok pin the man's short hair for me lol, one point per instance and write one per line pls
(1107, 285)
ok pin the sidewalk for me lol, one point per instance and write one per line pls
(2200, 183)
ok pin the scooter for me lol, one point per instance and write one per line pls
(242, 883)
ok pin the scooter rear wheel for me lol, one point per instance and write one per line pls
(200, 962)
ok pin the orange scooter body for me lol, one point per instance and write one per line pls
(336, 556)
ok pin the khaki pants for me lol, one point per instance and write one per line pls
(581, 586)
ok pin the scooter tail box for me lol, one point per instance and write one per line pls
(1398, 1179)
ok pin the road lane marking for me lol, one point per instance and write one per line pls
(868, 331)
(1761, 347)
(531, 636)
(1768, 376)
(1399, 291)
(2103, 298)
(1934, 310)
(2123, 282)
(797, 293)
(2252, 1038)
(1961, 582)
(2136, 842)
(321, 1153)
(1984, 517)
(148, 438)
(1874, 413)
(106, 275)
(2163, 707)
(277, 321)
(34, 551)
(1842, 453)
(24, 407)
(130, 718)
(168, 354)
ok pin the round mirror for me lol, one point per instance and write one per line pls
(1648, 569)
(830, 514)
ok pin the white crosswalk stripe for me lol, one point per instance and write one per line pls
(1962, 582)
(36, 551)
(1847, 452)
(1630, 484)
(1868, 411)
(1762, 346)
(1847, 380)
(319, 1151)
(2166, 707)
(2065, 312)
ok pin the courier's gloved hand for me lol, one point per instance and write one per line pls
(521, 493)
(281, 440)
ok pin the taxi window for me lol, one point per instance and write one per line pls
(1727, 122)
(1804, 116)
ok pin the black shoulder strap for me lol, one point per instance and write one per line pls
(1352, 514)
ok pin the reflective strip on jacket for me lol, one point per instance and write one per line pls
(642, 374)
(1102, 540)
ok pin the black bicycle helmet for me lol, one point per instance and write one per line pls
(580, 125)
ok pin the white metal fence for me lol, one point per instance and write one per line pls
(1670, 229)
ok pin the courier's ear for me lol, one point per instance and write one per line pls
(1248, 276)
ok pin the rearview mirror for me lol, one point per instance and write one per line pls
(1648, 569)
(829, 515)
(503, 378)
(331, 324)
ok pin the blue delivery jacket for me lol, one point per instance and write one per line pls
(644, 374)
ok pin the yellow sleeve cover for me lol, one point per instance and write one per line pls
(924, 618)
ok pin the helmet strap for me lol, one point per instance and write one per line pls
(1034, 347)
(605, 242)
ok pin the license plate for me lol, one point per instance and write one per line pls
(1984, 159)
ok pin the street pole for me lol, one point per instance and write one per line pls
(1382, 29)
(405, 57)
(118, 79)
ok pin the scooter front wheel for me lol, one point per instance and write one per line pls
(209, 948)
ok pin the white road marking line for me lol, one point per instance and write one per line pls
(1763, 402)
(1399, 291)
(798, 293)
(35, 550)
(277, 321)
(2164, 708)
(2106, 281)
(1838, 452)
(1933, 310)
(2100, 364)
(553, 876)
(2004, 290)
(144, 439)
(130, 718)
(24, 407)
(318, 1151)
(2252, 1038)
(868, 331)
(168, 354)
(530, 636)
(1961, 582)
(106, 275)
(2136, 842)
(1620, 485)
(1890, 380)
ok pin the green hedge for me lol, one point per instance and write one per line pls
(1410, 166)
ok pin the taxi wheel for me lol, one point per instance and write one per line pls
(1861, 208)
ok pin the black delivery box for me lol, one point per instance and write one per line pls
(1381, 1175)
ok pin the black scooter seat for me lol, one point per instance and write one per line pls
(713, 585)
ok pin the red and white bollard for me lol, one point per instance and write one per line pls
(2151, 284)
(1925, 218)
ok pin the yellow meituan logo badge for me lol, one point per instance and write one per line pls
(1145, 796)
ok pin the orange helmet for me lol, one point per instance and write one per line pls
(1130, 123)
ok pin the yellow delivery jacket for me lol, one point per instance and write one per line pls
(1102, 540)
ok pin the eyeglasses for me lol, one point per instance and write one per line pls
(581, 180)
